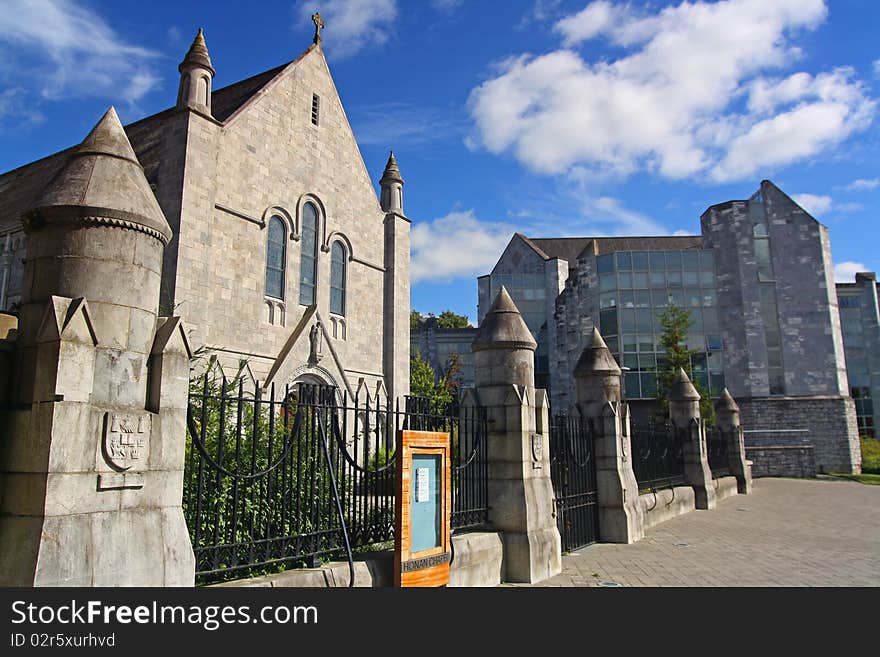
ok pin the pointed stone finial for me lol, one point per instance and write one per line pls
(682, 389)
(596, 358)
(102, 181)
(392, 173)
(197, 54)
(503, 327)
(319, 24)
(392, 187)
(727, 403)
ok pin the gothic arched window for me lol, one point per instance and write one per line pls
(337, 279)
(309, 257)
(275, 258)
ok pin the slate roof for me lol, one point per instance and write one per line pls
(569, 248)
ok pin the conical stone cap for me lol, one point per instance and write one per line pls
(102, 181)
(197, 55)
(596, 358)
(392, 173)
(727, 403)
(682, 388)
(503, 327)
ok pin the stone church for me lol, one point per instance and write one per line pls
(284, 263)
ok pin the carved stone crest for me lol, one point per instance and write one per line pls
(126, 439)
(537, 451)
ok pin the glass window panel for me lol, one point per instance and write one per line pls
(692, 278)
(717, 381)
(605, 263)
(710, 320)
(707, 279)
(627, 300)
(676, 297)
(624, 280)
(673, 278)
(777, 382)
(774, 357)
(647, 362)
(696, 341)
(659, 298)
(607, 282)
(714, 343)
(658, 260)
(673, 259)
(337, 279)
(649, 385)
(707, 261)
(701, 379)
(646, 344)
(713, 361)
(275, 258)
(709, 298)
(658, 279)
(627, 321)
(640, 280)
(643, 299)
(608, 300)
(694, 298)
(631, 361)
(698, 362)
(608, 322)
(759, 230)
(696, 320)
(772, 339)
(644, 320)
(612, 343)
(309, 254)
(624, 260)
(640, 261)
(629, 343)
(691, 259)
(631, 385)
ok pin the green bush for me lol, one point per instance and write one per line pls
(870, 455)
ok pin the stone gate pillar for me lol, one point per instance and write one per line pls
(727, 419)
(597, 383)
(92, 453)
(684, 412)
(520, 491)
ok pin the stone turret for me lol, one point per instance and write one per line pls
(684, 412)
(504, 349)
(94, 445)
(392, 187)
(196, 75)
(684, 400)
(597, 374)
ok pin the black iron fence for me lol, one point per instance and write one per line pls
(716, 451)
(573, 472)
(271, 476)
(658, 455)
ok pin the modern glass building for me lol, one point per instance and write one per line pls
(635, 289)
(860, 325)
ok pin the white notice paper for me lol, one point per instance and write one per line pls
(422, 485)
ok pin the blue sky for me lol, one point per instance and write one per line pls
(549, 117)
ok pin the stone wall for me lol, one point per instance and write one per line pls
(782, 460)
(828, 424)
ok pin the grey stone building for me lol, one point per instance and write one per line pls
(438, 346)
(283, 256)
(860, 325)
(758, 284)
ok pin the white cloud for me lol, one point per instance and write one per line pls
(863, 184)
(688, 96)
(352, 25)
(72, 52)
(812, 203)
(845, 272)
(457, 245)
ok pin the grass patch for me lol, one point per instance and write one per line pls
(870, 478)
(870, 455)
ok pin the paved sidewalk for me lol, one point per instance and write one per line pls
(788, 532)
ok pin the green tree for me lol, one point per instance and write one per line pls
(449, 319)
(415, 317)
(676, 323)
(424, 381)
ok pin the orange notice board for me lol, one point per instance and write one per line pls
(424, 508)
